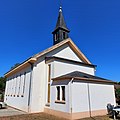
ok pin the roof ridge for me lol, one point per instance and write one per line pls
(55, 46)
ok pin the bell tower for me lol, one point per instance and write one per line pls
(61, 31)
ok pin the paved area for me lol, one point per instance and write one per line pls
(10, 112)
(14, 114)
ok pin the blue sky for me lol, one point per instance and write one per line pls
(26, 26)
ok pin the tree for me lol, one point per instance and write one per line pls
(118, 83)
(117, 93)
(2, 87)
(15, 65)
(2, 83)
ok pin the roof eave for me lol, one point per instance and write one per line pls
(79, 53)
(84, 79)
(62, 28)
(22, 65)
(35, 57)
(51, 59)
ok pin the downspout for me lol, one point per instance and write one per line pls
(89, 99)
(71, 94)
(29, 95)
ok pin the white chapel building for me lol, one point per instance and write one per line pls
(59, 80)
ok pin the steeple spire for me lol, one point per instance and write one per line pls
(61, 31)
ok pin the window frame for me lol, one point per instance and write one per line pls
(48, 85)
(64, 35)
(60, 95)
(63, 93)
(23, 84)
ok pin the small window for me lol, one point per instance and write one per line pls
(23, 87)
(19, 87)
(63, 35)
(55, 37)
(60, 98)
(15, 85)
(63, 93)
(58, 92)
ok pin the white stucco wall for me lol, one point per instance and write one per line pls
(12, 88)
(38, 96)
(101, 95)
(39, 86)
(79, 95)
(59, 106)
(61, 68)
(82, 96)
(67, 53)
(40, 81)
(40, 75)
(64, 52)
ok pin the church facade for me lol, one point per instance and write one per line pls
(59, 80)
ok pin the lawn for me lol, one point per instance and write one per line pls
(44, 116)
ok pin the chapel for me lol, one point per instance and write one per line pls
(59, 80)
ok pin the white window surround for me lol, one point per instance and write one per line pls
(48, 85)
(60, 101)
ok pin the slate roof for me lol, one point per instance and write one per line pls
(52, 58)
(77, 75)
(61, 21)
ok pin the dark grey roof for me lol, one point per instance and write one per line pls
(83, 76)
(61, 22)
(68, 60)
